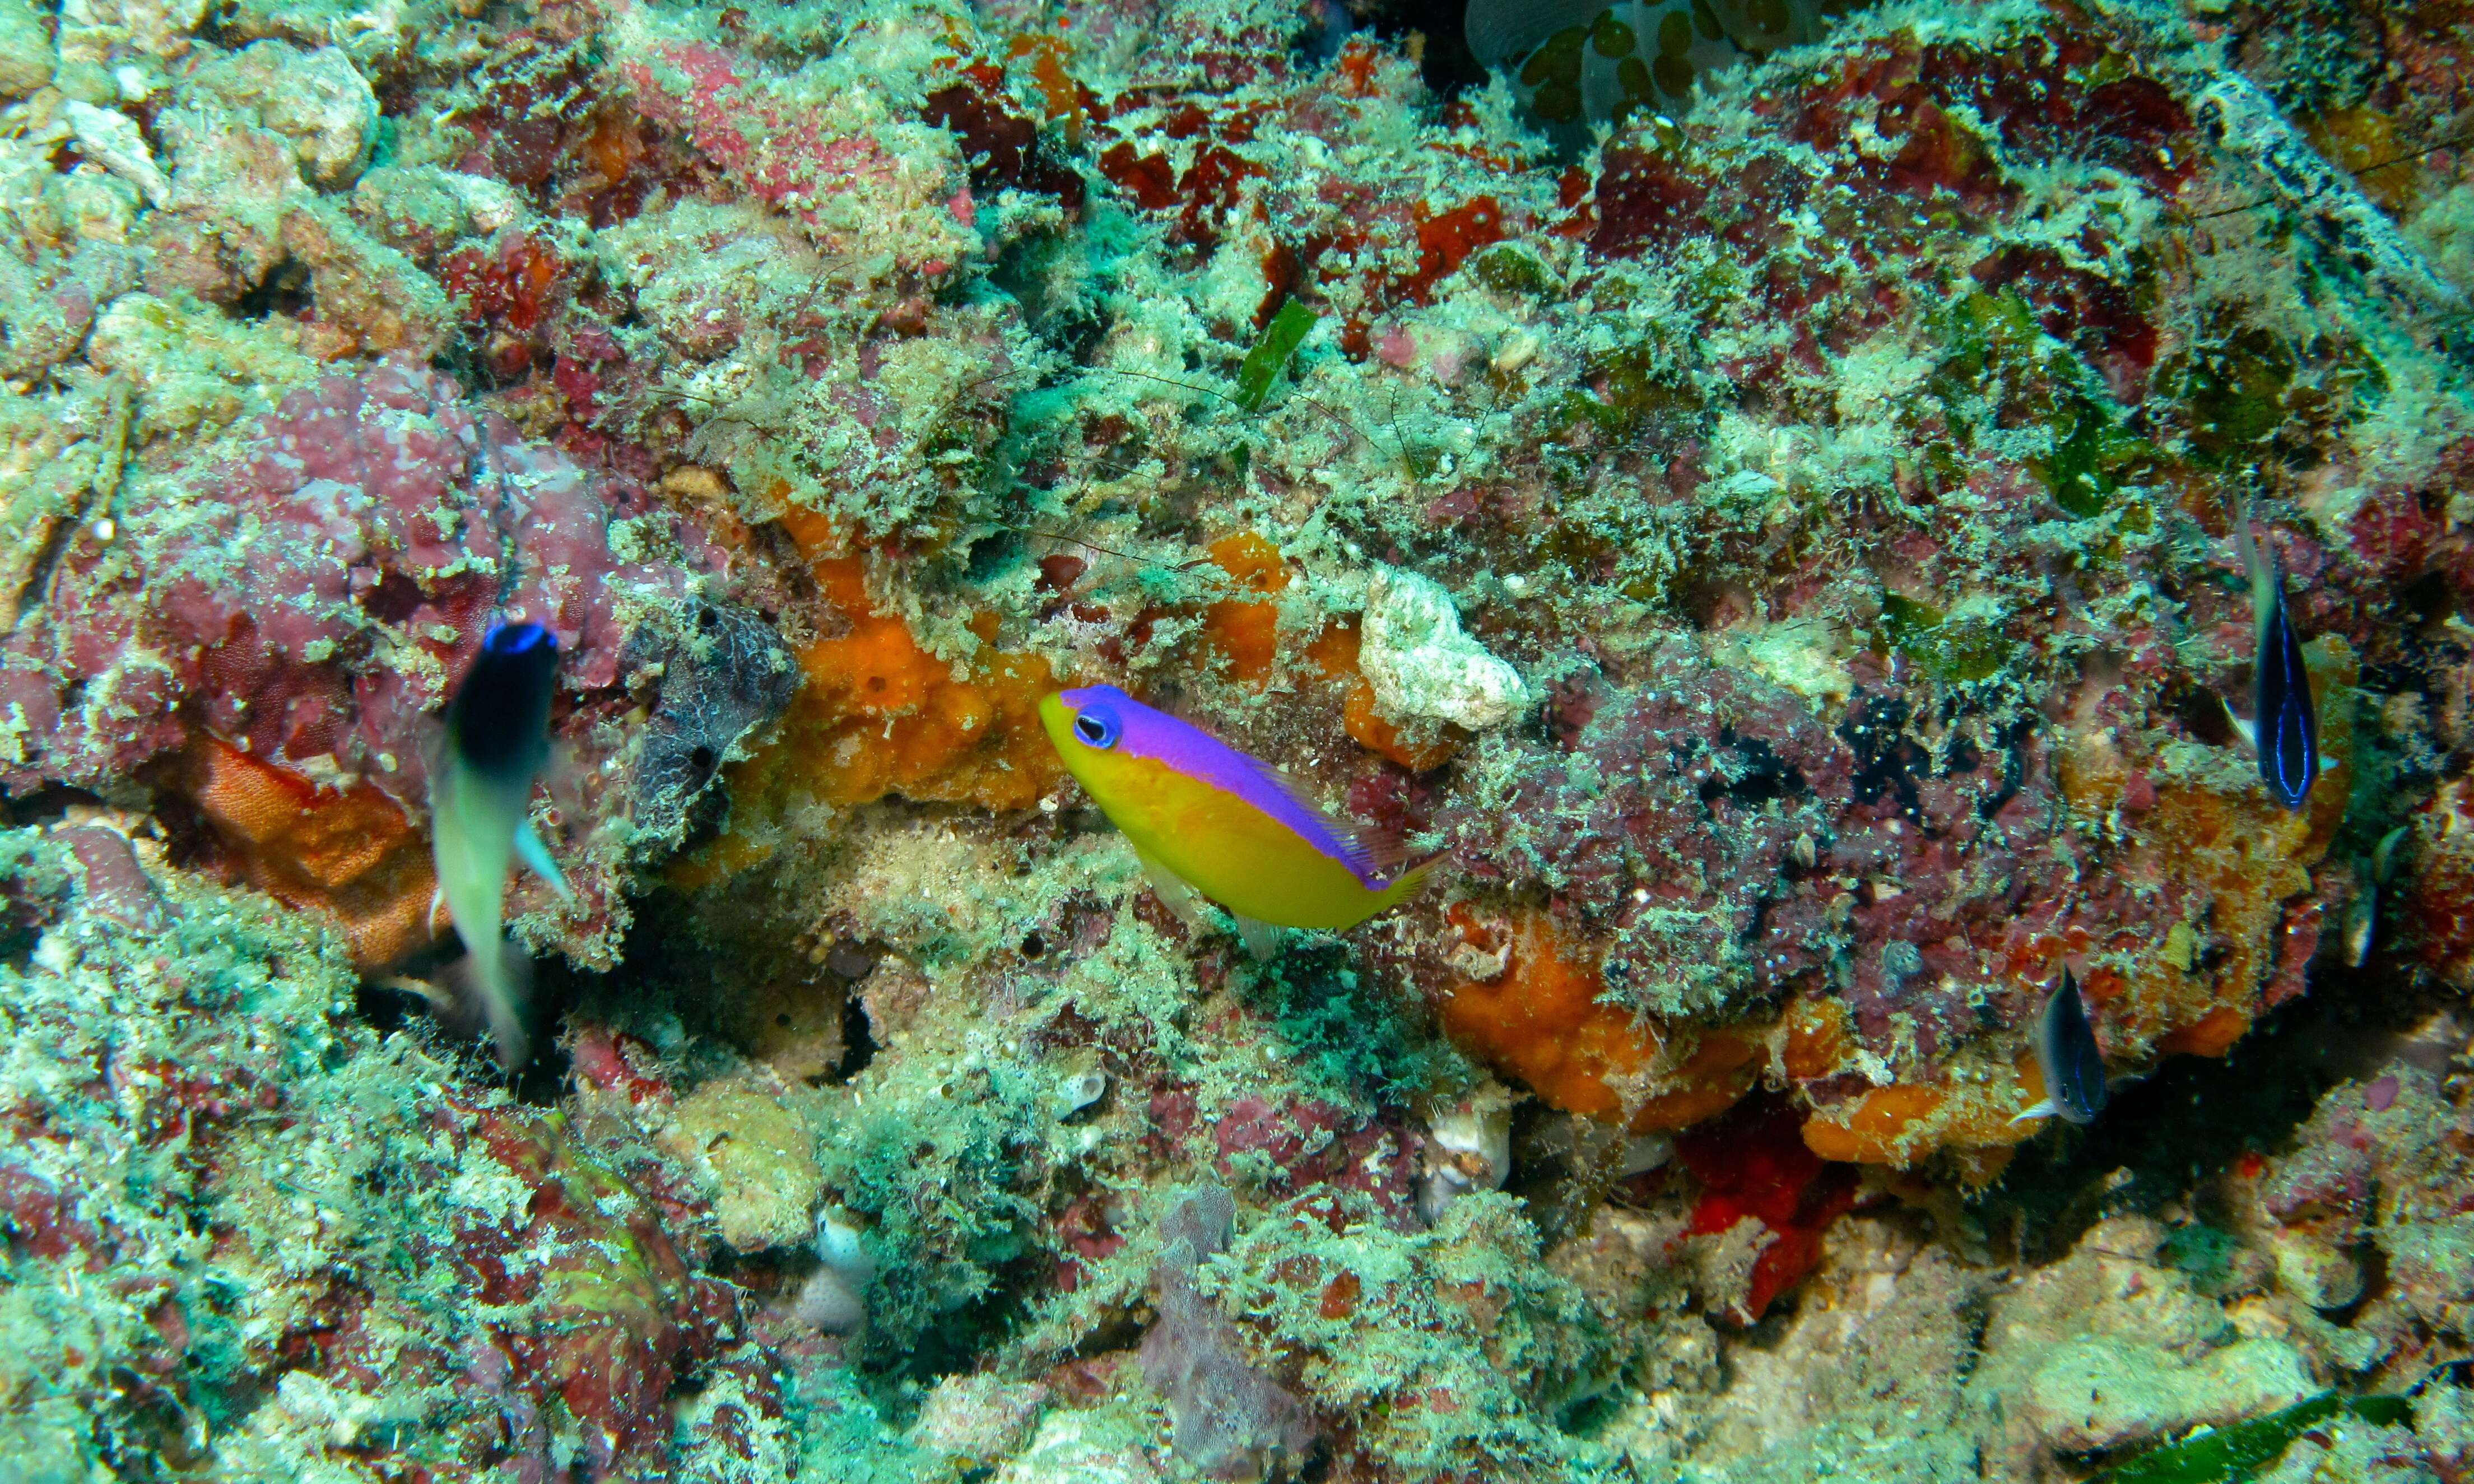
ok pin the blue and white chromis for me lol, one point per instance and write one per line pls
(2284, 728)
(2067, 1055)
(481, 805)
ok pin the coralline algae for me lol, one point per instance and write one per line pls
(1778, 552)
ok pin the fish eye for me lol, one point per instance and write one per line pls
(1096, 729)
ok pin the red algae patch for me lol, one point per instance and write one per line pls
(1753, 1165)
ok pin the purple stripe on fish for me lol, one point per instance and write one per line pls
(1143, 732)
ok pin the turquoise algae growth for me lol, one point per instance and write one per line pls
(1763, 498)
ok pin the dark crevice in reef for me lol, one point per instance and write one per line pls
(1444, 58)
(556, 984)
(284, 291)
(1888, 760)
(858, 1041)
(41, 806)
(2166, 1135)
(1757, 776)
(428, 985)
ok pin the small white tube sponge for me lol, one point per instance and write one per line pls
(834, 1296)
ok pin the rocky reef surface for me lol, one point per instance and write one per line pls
(1778, 549)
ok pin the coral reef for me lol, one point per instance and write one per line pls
(1777, 550)
(287, 610)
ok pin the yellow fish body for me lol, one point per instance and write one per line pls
(1207, 819)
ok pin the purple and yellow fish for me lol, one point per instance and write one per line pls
(1207, 821)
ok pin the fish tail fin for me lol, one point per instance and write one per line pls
(492, 986)
(2044, 1108)
(2266, 584)
(1408, 883)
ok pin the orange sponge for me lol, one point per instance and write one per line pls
(878, 715)
(350, 854)
(1246, 631)
(1334, 651)
(1540, 1020)
(1903, 1123)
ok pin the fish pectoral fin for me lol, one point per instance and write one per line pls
(2246, 730)
(535, 855)
(1261, 938)
(2044, 1110)
(437, 905)
(1182, 901)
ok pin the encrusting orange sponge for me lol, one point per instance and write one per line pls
(1541, 1021)
(878, 714)
(347, 853)
(1334, 651)
(1247, 630)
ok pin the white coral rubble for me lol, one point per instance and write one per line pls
(1421, 665)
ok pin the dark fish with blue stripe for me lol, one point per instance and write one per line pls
(480, 800)
(2067, 1055)
(2285, 722)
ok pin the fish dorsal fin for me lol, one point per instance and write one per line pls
(1370, 850)
(1501, 32)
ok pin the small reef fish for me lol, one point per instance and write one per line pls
(497, 744)
(2284, 728)
(1576, 60)
(1208, 820)
(2066, 1053)
(2371, 876)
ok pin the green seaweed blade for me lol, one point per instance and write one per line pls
(2229, 1455)
(1262, 364)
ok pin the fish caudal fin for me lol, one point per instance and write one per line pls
(1409, 884)
(492, 986)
